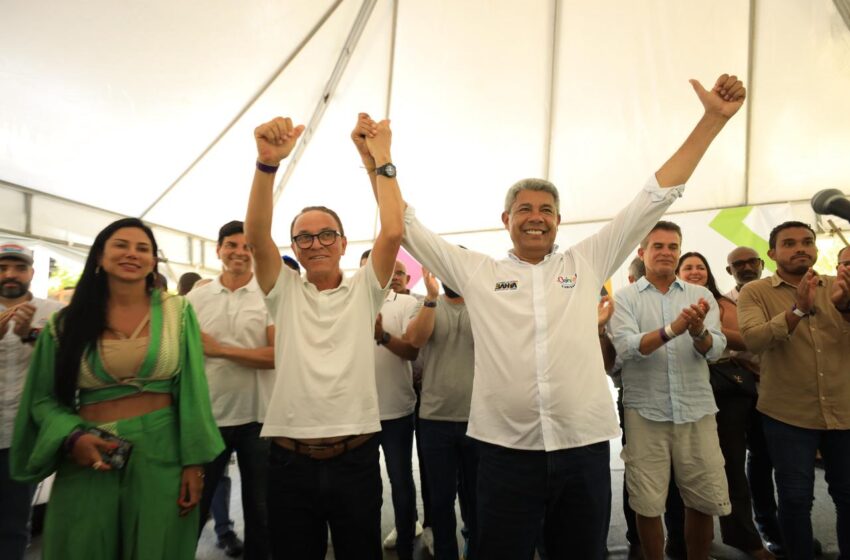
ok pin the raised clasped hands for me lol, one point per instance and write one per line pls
(725, 98)
(372, 140)
(276, 139)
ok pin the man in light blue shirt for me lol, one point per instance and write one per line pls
(665, 331)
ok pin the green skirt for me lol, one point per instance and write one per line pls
(127, 514)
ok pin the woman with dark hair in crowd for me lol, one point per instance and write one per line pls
(116, 402)
(734, 390)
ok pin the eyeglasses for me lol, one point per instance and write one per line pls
(326, 238)
(752, 263)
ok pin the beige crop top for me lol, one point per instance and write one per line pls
(122, 358)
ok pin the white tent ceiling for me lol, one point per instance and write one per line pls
(147, 108)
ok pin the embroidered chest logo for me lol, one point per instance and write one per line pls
(506, 285)
(568, 281)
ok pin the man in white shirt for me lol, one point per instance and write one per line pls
(396, 403)
(323, 416)
(22, 316)
(238, 337)
(541, 407)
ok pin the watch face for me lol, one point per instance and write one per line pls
(388, 170)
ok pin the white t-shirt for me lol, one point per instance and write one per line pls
(14, 363)
(394, 375)
(326, 367)
(239, 394)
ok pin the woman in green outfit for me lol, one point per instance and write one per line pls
(126, 359)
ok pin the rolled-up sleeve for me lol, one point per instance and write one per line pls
(712, 323)
(624, 325)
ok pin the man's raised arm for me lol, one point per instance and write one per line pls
(275, 140)
(378, 138)
(720, 104)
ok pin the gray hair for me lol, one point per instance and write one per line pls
(531, 185)
(636, 268)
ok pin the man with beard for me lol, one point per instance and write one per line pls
(22, 317)
(797, 321)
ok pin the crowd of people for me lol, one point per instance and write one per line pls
(137, 399)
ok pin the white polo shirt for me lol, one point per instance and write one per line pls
(14, 364)
(540, 382)
(394, 375)
(238, 394)
(324, 359)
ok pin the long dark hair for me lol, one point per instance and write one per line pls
(711, 284)
(81, 323)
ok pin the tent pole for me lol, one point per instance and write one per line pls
(247, 105)
(327, 93)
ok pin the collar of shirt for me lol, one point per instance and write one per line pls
(643, 284)
(512, 256)
(251, 286)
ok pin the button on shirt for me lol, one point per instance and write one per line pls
(670, 384)
(540, 382)
(14, 363)
(394, 375)
(239, 394)
(805, 380)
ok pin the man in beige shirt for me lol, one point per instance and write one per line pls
(799, 322)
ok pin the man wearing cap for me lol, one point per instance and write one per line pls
(21, 318)
(238, 337)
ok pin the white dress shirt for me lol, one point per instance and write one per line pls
(540, 382)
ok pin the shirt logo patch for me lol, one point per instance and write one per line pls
(568, 281)
(506, 285)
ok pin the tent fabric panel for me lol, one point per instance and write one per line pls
(624, 104)
(800, 108)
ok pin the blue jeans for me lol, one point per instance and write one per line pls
(571, 488)
(760, 479)
(221, 507)
(306, 496)
(450, 457)
(15, 500)
(252, 454)
(397, 442)
(793, 450)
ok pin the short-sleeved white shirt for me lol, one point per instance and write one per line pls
(394, 375)
(14, 364)
(239, 394)
(323, 355)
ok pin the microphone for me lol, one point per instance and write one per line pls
(831, 201)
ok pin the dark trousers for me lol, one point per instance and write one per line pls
(15, 500)
(252, 456)
(793, 451)
(397, 443)
(221, 507)
(735, 410)
(760, 479)
(423, 471)
(306, 496)
(674, 513)
(451, 458)
(569, 490)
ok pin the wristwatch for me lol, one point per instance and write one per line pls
(385, 339)
(701, 336)
(387, 170)
(798, 312)
(31, 336)
(427, 303)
